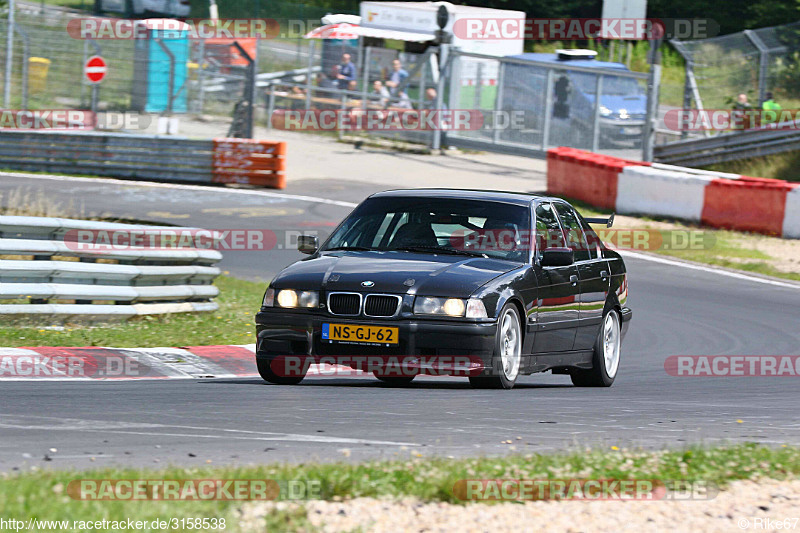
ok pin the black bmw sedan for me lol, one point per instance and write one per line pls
(482, 284)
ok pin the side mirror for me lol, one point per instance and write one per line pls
(556, 257)
(307, 244)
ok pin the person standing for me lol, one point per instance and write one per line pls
(770, 104)
(397, 77)
(347, 72)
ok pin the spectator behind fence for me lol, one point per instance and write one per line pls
(397, 77)
(742, 103)
(770, 104)
(403, 101)
(323, 82)
(346, 71)
(380, 92)
(430, 99)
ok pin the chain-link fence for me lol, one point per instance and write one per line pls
(533, 103)
(48, 65)
(752, 62)
(369, 92)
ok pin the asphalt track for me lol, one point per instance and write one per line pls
(677, 311)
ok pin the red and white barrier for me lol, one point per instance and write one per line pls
(643, 190)
(791, 217)
(716, 199)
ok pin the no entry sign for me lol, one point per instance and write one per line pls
(95, 69)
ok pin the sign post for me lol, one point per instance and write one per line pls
(95, 70)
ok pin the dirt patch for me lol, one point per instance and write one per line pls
(738, 508)
(782, 254)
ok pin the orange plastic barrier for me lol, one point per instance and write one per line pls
(250, 161)
(749, 204)
(585, 176)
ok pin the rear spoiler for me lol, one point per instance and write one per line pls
(597, 220)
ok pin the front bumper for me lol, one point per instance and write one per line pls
(421, 342)
(621, 130)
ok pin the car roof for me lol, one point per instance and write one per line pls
(509, 197)
(553, 58)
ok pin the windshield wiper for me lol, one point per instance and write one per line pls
(440, 250)
(353, 248)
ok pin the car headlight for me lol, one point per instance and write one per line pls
(604, 111)
(456, 307)
(291, 299)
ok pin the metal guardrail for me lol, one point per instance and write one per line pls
(108, 154)
(728, 147)
(119, 155)
(43, 267)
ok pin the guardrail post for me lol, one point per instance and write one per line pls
(9, 55)
(95, 86)
(598, 90)
(311, 47)
(250, 91)
(444, 62)
(653, 83)
(548, 109)
(498, 102)
(763, 60)
(270, 104)
(26, 41)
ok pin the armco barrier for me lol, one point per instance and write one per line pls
(53, 275)
(120, 155)
(716, 199)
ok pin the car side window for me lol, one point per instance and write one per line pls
(548, 230)
(573, 231)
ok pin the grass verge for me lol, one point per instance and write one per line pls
(750, 252)
(232, 323)
(783, 166)
(43, 494)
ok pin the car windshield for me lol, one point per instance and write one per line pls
(612, 86)
(436, 225)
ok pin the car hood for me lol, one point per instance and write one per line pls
(393, 272)
(634, 104)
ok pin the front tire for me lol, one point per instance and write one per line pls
(605, 363)
(266, 372)
(507, 352)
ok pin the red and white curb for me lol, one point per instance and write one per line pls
(98, 363)
(119, 364)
